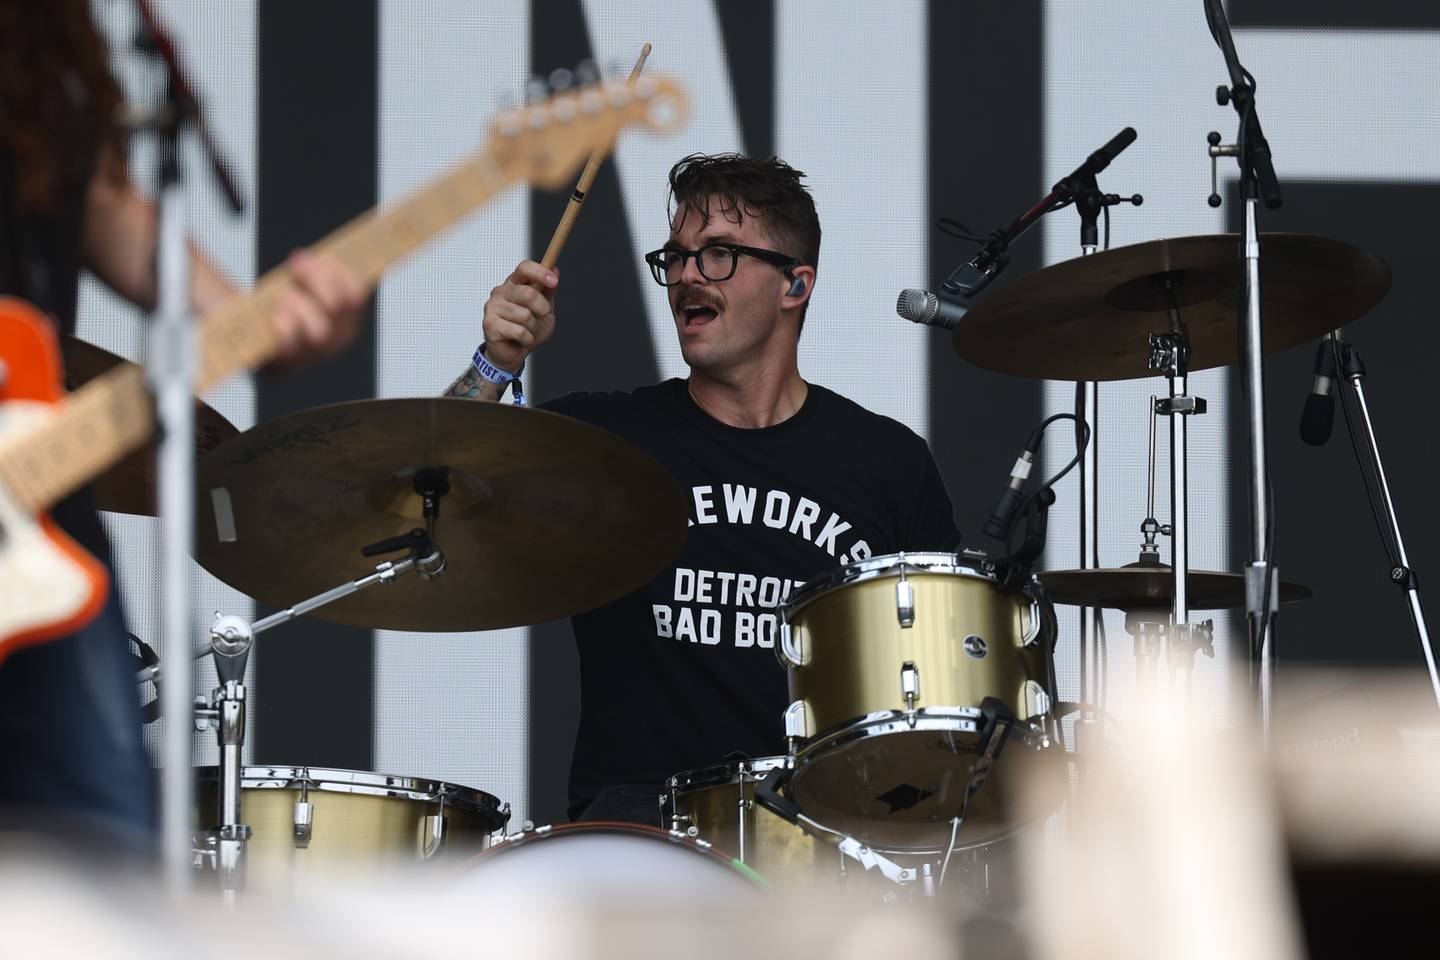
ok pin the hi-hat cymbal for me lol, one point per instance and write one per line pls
(1090, 318)
(545, 516)
(129, 486)
(1148, 586)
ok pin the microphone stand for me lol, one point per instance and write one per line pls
(1351, 367)
(172, 371)
(1257, 180)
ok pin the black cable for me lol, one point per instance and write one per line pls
(1082, 441)
(954, 228)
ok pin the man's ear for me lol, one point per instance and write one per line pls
(802, 284)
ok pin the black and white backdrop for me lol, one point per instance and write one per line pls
(899, 112)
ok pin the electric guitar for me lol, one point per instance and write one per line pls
(52, 443)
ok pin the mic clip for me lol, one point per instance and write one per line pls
(970, 278)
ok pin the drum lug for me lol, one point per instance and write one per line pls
(302, 819)
(1032, 632)
(910, 688)
(904, 601)
(435, 831)
(799, 721)
(303, 823)
(788, 650)
(1037, 701)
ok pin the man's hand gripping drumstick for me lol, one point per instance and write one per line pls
(520, 314)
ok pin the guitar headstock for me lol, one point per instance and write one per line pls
(545, 143)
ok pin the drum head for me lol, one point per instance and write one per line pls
(606, 860)
(898, 788)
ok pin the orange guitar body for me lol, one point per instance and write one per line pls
(30, 382)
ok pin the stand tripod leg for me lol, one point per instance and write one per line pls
(1403, 574)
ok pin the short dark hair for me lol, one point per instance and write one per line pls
(746, 185)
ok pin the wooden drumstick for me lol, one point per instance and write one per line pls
(582, 186)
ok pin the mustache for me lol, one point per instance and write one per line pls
(699, 297)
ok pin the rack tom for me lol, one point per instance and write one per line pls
(891, 661)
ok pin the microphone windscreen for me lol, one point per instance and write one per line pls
(1317, 420)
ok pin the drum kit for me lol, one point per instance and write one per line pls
(924, 716)
(909, 674)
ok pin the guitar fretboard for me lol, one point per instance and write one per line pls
(111, 415)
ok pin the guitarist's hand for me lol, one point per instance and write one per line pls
(520, 314)
(318, 315)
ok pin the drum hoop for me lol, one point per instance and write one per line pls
(614, 828)
(873, 568)
(887, 722)
(366, 783)
(720, 774)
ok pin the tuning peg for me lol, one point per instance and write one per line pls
(592, 101)
(564, 108)
(561, 80)
(586, 73)
(536, 89)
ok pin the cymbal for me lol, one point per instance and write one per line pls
(1147, 586)
(545, 516)
(129, 486)
(1090, 318)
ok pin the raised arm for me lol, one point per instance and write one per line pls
(519, 319)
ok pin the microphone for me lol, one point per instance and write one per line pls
(1003, 513)
(1101, 158)
(922, 306)
(1318, 418)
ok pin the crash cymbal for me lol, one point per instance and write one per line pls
(1090, 318)
(545, 516)
(1147, 586)
(129, 486)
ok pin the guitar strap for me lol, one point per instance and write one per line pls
(12, 233)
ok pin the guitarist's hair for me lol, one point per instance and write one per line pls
(58, 98)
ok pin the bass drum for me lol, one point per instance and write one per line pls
(605, 860)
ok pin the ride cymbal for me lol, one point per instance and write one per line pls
(1091, 318)
(544, 516)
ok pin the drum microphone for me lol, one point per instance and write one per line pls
(922, 306)
(1318, 418)
(1003, 513)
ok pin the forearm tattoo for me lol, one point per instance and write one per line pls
(469, 386)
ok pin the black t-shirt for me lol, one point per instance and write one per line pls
(40, 259)
(683, 671)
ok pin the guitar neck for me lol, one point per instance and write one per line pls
(112, 414)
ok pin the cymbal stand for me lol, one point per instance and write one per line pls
(1351, 366)
(231, 640)
(1089, 203)
(172, 371)
(1170, 356)
(1149, 627)
(1257, 181)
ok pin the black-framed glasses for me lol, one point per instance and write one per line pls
(717, 261)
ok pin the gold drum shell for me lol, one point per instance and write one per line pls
(891, 769)
(362, 823)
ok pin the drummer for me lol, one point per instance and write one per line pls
(785, 480)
